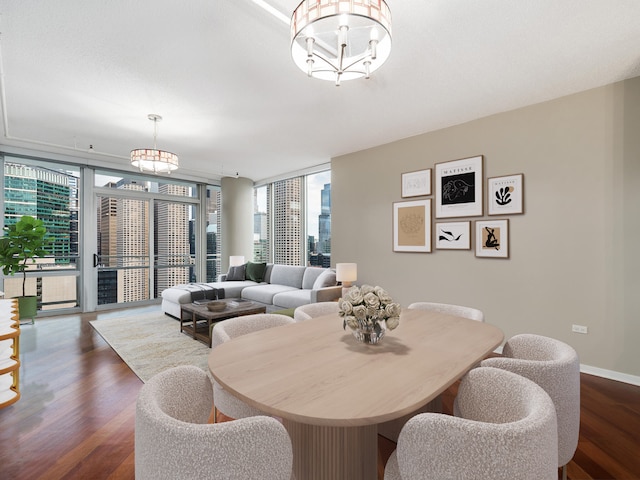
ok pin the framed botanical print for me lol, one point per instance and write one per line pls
(416, 184)
(505, 195)
(453, 235)
(458, 188)
(412, 226)
(492, 238)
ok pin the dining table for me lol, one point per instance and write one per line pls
(332, 392)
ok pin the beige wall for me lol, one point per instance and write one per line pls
(574, 254)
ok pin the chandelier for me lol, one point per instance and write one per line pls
(152, 159)
(340, 39)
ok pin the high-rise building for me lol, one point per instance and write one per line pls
(46, 195)
(324, 220)
(172, 240)
(287, 220)
(132, 244)
(260, 237)
(108, 230)
(261, 225)
(107, 249)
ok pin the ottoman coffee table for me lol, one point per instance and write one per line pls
(198, 325)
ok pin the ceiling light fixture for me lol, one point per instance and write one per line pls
(340, 39)
(152, 159)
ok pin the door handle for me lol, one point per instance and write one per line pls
(95, 260)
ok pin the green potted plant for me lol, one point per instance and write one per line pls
(23, 241)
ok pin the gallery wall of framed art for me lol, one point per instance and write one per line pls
(459, 187)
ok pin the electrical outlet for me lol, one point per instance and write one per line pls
(579, 329)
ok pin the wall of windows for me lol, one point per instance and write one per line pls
(144, 233)
(147, 233)
(292, 221)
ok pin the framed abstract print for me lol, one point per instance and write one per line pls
(458, 188)
(416, 184)
(412, 226)
(505, 195)
(492, 238)
(453, 235)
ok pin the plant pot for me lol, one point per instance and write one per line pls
(27, 308)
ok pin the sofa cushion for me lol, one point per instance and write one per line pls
(267, 273)
(236, 273)
(325, 279)
(289, 275)
(255, 271)
(310, 276)
(233, 289)
(264, 293)
(292, 299)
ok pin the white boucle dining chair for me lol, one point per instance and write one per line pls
(173, 439)
(554, 366)
(506, 429)
(312, 310)
(456, 310)
(228, 330)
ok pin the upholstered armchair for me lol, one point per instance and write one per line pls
(554, 366)
(506, 430)
(173, 439)
(311, 310)
(227, 330)
(457, 310)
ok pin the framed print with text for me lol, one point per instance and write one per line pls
(492, 238)
(505, 195)
(453, 235)
(416, 184)
(458, 188)
(412, 226)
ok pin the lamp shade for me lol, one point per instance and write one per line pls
(152, 159)
(235, 260)
(346, 273)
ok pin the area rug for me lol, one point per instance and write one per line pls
(151, 342)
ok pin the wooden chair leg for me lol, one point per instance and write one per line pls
(213, 415)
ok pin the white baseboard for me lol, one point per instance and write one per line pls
(601, 372)
(611, 374)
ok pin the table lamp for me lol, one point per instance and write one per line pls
(236, 260)
(346, 273)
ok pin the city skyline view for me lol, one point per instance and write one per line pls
(126, 233)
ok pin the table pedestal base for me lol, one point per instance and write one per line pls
(391, 429)
(338, 453)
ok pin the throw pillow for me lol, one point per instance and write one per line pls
(236, 273)
(255, 271)
(325, 279)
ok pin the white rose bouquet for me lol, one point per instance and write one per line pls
(366, 306)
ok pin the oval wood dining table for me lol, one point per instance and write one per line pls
(331, 391)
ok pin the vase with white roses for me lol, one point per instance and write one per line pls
(368, 311)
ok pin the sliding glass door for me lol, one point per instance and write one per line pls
(146, 239)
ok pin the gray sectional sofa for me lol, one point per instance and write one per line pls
(282, 287)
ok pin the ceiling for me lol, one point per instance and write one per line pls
(80, 73)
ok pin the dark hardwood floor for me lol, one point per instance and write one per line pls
(75, 419)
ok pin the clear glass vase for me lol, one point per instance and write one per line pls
(370, 334)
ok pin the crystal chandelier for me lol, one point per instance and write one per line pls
(152, 159)
(340, 39)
